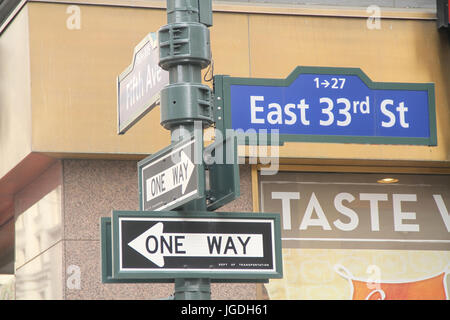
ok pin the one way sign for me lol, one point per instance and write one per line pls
(170, 178)
(154, 244)
(177, 175)
(213, 245)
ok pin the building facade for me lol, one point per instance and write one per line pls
(346, 232)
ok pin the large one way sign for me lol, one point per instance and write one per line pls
(170, 178)
(155, 244)
(213, 245)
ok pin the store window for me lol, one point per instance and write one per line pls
(360, 236)
(7, 287)
(38, 251)
(7, 255)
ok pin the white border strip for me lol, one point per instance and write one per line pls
(365, 240)
(271, 8)
(162, 270)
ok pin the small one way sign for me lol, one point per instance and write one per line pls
(170, 177)
(170, 244)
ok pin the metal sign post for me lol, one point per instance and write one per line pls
(189, 245)
(184, 51)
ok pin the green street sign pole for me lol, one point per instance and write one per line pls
(184, 51)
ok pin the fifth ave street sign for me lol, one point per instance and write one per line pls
(203, 244)
(170, 177)
(139, 86)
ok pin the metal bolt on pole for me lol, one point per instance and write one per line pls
(184, 51)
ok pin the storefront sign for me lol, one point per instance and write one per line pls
(354, 211)
(320, 104)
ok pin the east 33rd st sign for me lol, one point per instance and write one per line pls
(321, 104)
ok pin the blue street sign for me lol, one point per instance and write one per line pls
(332, 105)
